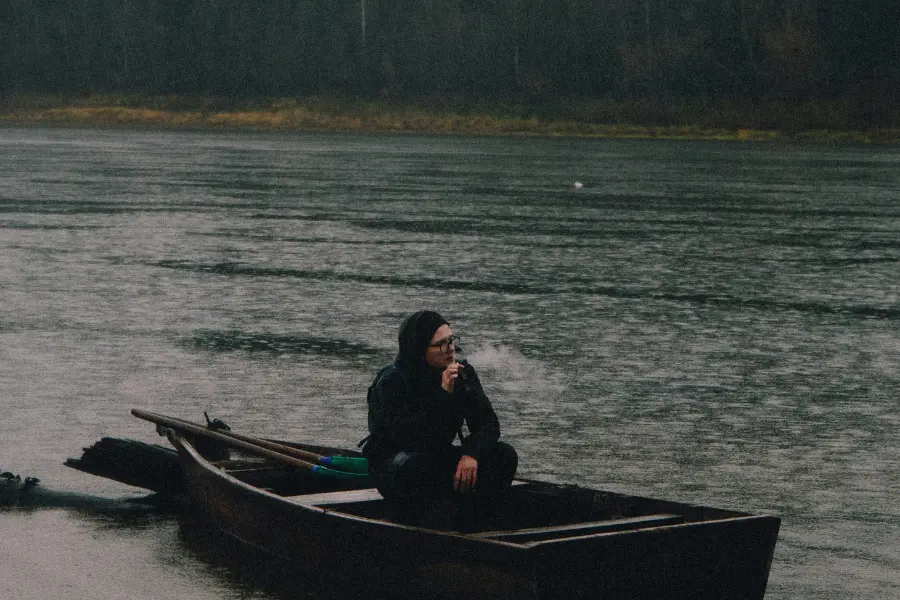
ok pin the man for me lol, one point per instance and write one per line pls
(417, 407)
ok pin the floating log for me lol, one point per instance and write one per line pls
(148, 466)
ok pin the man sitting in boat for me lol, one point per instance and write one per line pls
(417, 407)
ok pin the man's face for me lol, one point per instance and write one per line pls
(440, 354)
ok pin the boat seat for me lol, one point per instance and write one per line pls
(347, 496)
(538, 534)
(343, 497)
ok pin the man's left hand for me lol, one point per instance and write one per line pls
(466, 475)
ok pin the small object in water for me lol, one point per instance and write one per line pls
(578, 185)
(216, 424)
(13, 490)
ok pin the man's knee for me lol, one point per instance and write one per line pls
(406, 476)
(504, 457)
(392, 476)
(502, 462)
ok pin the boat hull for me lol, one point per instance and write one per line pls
(716, 554)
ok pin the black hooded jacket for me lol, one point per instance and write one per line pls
(410, 411)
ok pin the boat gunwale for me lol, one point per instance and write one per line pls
(659, 528)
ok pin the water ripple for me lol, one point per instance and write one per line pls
(48, 226)
(273, 343)
(571, 286)
(229, 268)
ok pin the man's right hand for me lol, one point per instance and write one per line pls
(450, 375)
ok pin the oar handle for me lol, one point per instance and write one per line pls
(228, 440)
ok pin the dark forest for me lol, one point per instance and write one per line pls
(705, 52)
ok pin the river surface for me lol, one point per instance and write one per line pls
(716, 323)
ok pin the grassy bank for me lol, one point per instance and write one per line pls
(601, 119)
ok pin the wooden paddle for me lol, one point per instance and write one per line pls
(283, 449)
(228, 440)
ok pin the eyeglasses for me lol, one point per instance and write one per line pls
(445, 345)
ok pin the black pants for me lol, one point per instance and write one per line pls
(417, 481)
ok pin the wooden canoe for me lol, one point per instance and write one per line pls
(553, 541)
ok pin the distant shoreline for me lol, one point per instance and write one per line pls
(323, 114)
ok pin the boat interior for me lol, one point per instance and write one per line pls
(532, 512)
(534, 520)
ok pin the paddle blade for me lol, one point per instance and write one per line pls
(348, 464)
(333, 474)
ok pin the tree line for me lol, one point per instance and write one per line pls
(706, 51)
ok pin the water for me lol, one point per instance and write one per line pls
(708, 322)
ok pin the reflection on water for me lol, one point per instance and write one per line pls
(714, 323)
(255, 574)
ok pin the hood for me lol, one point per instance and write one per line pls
(415, 335)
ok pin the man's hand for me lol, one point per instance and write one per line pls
(450, 375)
(466, 475)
